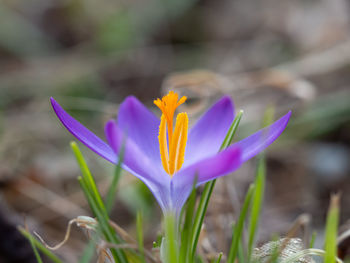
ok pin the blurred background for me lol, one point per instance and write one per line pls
(89, 55)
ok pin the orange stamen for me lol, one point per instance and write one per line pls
(172, 156)
(163, 144)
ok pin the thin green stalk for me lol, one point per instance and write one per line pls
(87, 174)
(268, 116)
(232, 131)
(219, 258)
(140, 235)
(199, 259)
(92, 203)
(199, 217)
(187, 227)
(259, 188)
(39, 245)
(88, 252)
(332, 230)
(240, 253)
(238, 229)
(171, 241)
(111, 194)
(256, 203)
(276, 250)
(107, 230)
(35, 250)
(313, 239)
(93, 196)
(208, 189)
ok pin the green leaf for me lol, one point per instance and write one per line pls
(240, 253)
(39, 245)
(187, 226)
(219, 258)
(276, 249)
(332, 230)
(36, 253)
(139, 221)
(232, 131)
(313, 239)
(256, 202)
(97, 206)
(87, 174)
(238, 229)
(111, 194)
(208, 189)
(88, 252)
(103, 221)
(201, 210)
(268, 116)
(259, 187)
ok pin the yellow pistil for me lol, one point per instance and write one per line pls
(172, 156)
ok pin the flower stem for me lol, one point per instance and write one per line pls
(171, 239)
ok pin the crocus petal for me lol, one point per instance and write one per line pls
(141, 125)
(84, 135)
(207, 135)
(205, 170)
(137, 163)
(134, 158)
(260, 140)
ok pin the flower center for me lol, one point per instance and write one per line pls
(172, 156)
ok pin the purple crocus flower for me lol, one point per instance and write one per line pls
(166, 158)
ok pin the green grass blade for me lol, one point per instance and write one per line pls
(256, 202)
(139, 228)
(103, 221)
(93, 196)
(313, 239)
(111, 194)
(268, 116)
(208, 189)
(35, 250)
(259, 188)
(187, 226)
(88, 252)
(238, 229)
(275, 250)
(201, 210)
(240, 253)
(232, 131)
(332, 230)
(87, 174)
(219, 258)
(92, 203)
(39, 245)
(199, 259)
